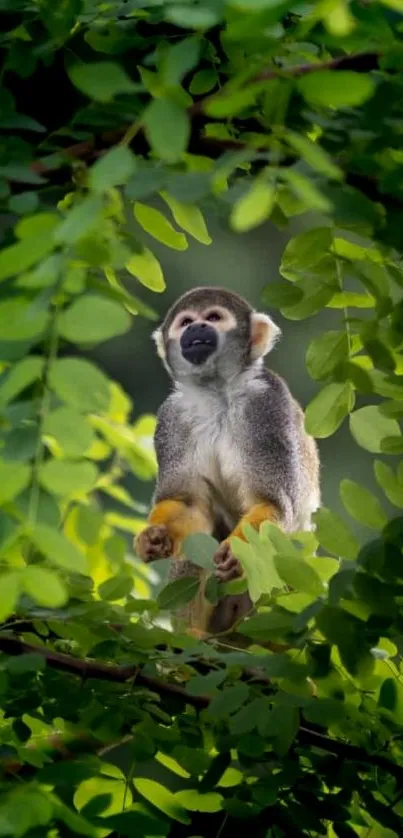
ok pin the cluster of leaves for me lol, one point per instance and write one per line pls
(164, 111)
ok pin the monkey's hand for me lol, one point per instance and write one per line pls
(154, 543)
(227, 566)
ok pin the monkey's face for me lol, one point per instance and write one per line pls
(210, 333)
(199, 339)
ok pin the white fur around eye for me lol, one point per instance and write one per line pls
(264, 333)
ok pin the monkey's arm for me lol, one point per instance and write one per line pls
(180, 504)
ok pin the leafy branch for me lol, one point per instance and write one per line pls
(360, 62)
(121, 674)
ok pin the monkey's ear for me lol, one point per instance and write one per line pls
(264, 334)
(159, 342)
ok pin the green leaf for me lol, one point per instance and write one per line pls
(369, 427)
(20, 443)
(64, 477)
(328, 409)
(81, 384)
(189, 218)
(44, 587)
(333, 534)
(203, 81)
(21, 375)
(280, 295)
(39, 224)
(14, 477)
(325, 352)
(22, 255)
(80, 220)
(194, 801)
(228, 701)
(253, 208)
(362, 505)
(178, 593)
(117, 587)
(147, 269)
(71, 431)
(336, 89)
(305, 189)
(305, 250)
(179, 60)
(168, 129)
(200, 548)
(257, 560)
(9, 593)
(92, 319)
(161, 798)
(271, 625)
(113, 169)
(30, 662)
(298, 574)
(101, 80)
(316, 294)
(23, 203)
(193, 17)
(22, 320)
(58, 549)
(390, 484)
(314, 155)
(155, 223)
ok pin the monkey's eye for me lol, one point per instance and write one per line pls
(186, 321)
(214, 316)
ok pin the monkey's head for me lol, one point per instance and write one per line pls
(212, 332)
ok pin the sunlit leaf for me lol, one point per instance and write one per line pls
(161, 798)
(80, 384)
(326, 412)
(56, 547)
(155, 223)
(254, 207)
(147, 269)
(340, 89)
(9, 593)
(369, 427)
(189, 217)
(71, 431)
(64, 477)
(44, 587)
(362, 505)
(333, 534)
(92, 319)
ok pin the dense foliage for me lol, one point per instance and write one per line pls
(124, 122)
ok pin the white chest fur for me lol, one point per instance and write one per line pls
(214, 418)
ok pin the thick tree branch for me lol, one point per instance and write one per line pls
(120, 674)
(101, 671)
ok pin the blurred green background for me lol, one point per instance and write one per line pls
(246, 264)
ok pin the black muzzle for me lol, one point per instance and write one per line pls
(198, 342)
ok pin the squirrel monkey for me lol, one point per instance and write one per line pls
(230, 443)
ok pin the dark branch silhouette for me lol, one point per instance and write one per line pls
(120, 674)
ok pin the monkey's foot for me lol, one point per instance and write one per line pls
(154, 543)
(227, 566)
